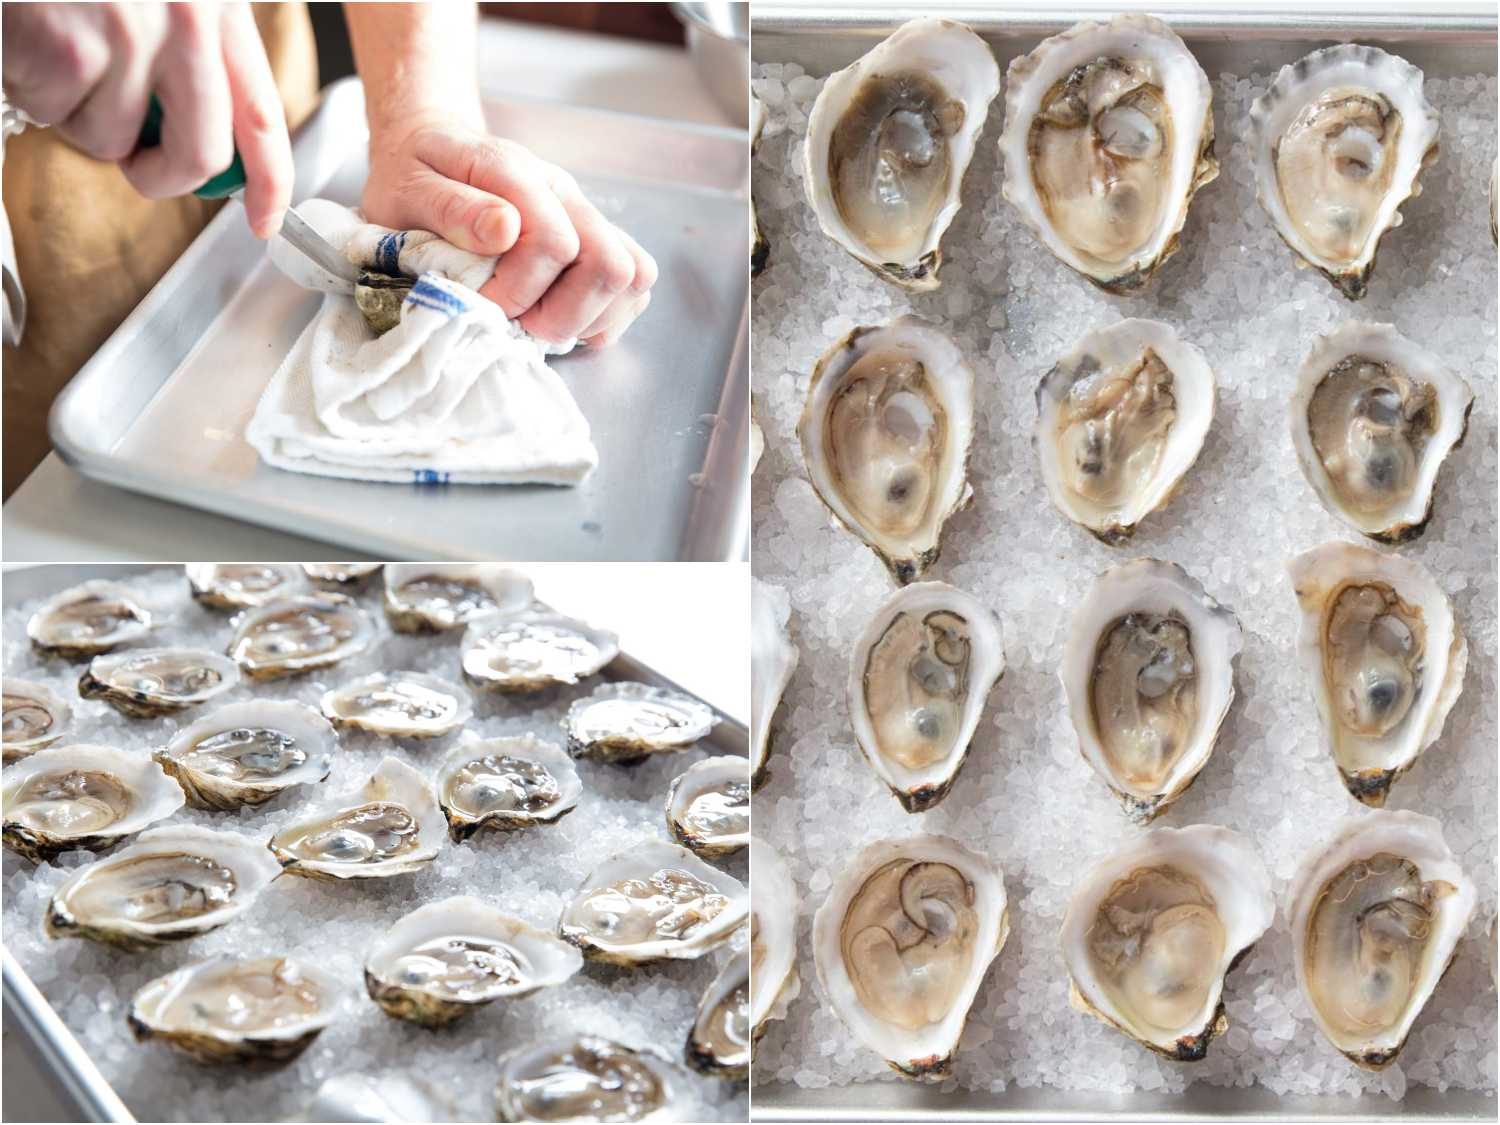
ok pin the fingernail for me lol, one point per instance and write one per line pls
(490, 226)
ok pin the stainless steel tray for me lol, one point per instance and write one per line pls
(77, 1081)
(1443, 39)
(161, 408)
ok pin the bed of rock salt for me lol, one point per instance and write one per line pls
(530, 873)
(1026, 796)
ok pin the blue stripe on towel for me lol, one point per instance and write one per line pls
(429, 476)
(431, 293)
(388, 252)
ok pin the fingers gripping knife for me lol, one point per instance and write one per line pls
(231, 182)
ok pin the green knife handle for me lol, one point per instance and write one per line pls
(225, 183)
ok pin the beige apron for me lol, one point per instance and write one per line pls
(88, 248)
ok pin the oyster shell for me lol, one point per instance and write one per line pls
(242, 585)
(625, 723)
(708, 806)
(170, 884)
(399, 705)
(296, 635)
(1109, 133)
(434, 597)
(447, 958)
(760, 249)
(505, 783)
(918, 680)
(1386, 657)
(774, 911)
(718, 1043)
(1120, 420)
(345, 574)
(773, 659)
(532, 650)
(1337, 144)
(903, 942)
(1376, 917)
(653, 901)
(885, 437)
(248, 753)
(1148, 672)
(888, 141)
(390, 826)
(1373, 418)
(588, 1078)
(82, 796)
(1151, 932)
(261, 1011)
(147, 682)
(89, 619)
(34, 716)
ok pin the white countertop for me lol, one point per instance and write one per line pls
(57, 514)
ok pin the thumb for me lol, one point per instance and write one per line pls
(470, 219)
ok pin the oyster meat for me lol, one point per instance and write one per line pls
(1386, 657)
(505, 783)
(147, 682)
(1376, 917)
(921, 672)
(653, 901)
(888, 141)
(708, 806)
(773, 659)
(902, 943)
(399, 705)
(1120, 420)
(260, 1011)
(1148, 672)
(298, 634)
(242, 585)
(82, 796)
(391, 826)
(885, 437)
(170, 884)
(447, 958)
(1337, 145)
(247, 753)
(1373, 418)
(432, 598)
(1151, 932)
(718, 1043)
(89, 619)
(588, 1078)
(774, 913)
(625, 722)
(1109, 133)
(34, 716)
(532, 650)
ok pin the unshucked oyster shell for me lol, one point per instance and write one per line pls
(248, 753)
(146, 682)
(625, 722)
(505, 783)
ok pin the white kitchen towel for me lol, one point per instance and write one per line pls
(454, 393)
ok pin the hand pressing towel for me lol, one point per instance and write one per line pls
(454, 393)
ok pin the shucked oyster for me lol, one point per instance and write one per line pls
(1373, 417)
(34, 716)
(918, 680)
(1151, 932)
(774, 912)
(885, 437)
(773, 659)
(171, 884)
(903, 942)
(888, 141)
(242, 585)
(82, 796)
(1148, 671)
(1376, 918)
(1337, 144)
(399, 705)
(1109, 133)
(532, 650)
(432, 597)
(588, 1078)
(447, 958)
(146, 682)
(1386, 657)
(708, 806)
(259, 1011)
(650, 902)
(296, 635)
(718, 1043)
(343, 574)
(247, 753)
(505, 783)
(1120, 420)
(626, 722)
(391, 826)
(89, 619)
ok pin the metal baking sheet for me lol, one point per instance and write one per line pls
(161, 408)
(75, 1078)
(1443, 40)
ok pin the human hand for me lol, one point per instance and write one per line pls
(565, 270)
(90, 71)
